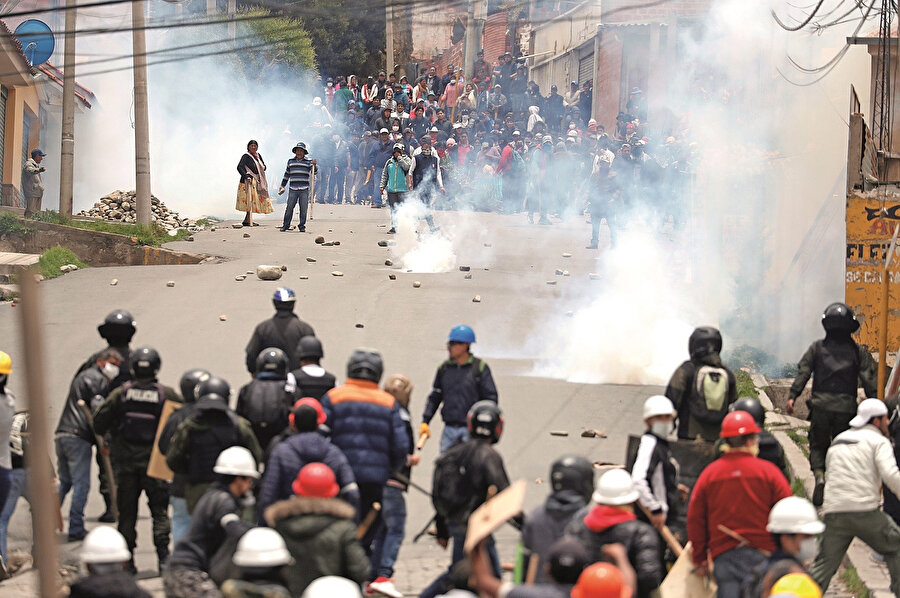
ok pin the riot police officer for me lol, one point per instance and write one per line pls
(283, 330)
(267, 400)
(131, 414)
(311, 378)
(837, 365)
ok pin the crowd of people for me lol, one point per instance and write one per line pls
(491, 143)
(299, 489)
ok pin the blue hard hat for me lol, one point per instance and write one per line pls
(284, 295)
(462, 334)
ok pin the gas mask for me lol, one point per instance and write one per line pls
(662, 428)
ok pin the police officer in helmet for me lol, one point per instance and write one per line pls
(311, 378)
(131, 414)
(266, 401)
(837, 366)
(283, 330)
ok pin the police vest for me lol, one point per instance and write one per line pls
(204, 446)
(426, 169)
(836, 368)
(142, 405)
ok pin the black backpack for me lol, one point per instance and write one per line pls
(453, 485)
(266, 411)
(708, 397)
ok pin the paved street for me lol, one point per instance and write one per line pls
(409, 325)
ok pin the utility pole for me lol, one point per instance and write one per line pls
(389, 35)
(67, 149)
(232, 11)
(469, 42)
(141, 114)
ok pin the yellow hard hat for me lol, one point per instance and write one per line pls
(5, 363)
(797, 584)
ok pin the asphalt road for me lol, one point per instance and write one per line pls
(510, 262)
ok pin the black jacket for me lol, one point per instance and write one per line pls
(547, 523)
(265, 404)
(90, 386)
(247, 166)
(597, 526)
(313, 386)
(770, 450)
(179, 480)
(108, 585)
(459, 387)
(284, 331)
(207, 533)
(485, 469)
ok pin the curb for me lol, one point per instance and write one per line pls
(874, 576)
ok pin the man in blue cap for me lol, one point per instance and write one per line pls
(32, 185)
(459, 383)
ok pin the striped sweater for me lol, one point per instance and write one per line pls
(297, 173)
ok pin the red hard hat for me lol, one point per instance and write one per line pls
(316, 480)
(309, 402)
(738, 423)
(601, 580)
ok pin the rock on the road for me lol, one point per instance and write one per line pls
(170, 284)
(268, 272)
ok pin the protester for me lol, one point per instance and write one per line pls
(105, 557)
(253, 190)
(261, 558)
(32, 185)
(769, 447)
(460, 382)
(297, 176)
(655, 471)
(396, 180)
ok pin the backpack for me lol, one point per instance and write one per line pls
(266, 410)
(452, 485)
(709, 394)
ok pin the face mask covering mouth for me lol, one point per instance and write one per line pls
(808, 550)
(110, 370)
(661, 429)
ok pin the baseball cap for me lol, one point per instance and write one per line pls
(867, 410)
(383, 131)
(37, 152)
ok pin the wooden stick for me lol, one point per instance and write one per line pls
(423, 438)
(744, 541)
(533, 562)
(312, 191)
(42, 507)
(107, 464)
(666, 534)
(367, 521)
(59, 520)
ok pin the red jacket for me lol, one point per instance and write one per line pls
(736, 491)
(506, 158)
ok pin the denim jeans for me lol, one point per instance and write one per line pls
(387, 542)
(17, 488)
(376, 188)
(300, 198)
(734, 568)
(73, 456)
(181, 519)
(336, 186)
(453, 435)
(442, 584)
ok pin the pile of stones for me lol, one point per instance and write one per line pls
(120, 206)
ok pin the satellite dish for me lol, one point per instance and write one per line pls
(37, 41)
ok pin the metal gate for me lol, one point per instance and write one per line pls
(585, 69)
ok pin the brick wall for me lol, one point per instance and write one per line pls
(608, 78)
(495, 37)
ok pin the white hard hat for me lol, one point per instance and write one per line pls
(658, 405)
(104, 544)
(236, 460)
(261, 547)
(332, 586)
(794, 515)
(615, 488)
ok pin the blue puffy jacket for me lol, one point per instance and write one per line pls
(365, 424)
(289, 457)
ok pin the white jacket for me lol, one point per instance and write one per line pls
(857, 463)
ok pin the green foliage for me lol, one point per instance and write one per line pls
(855, 585)
(204, 222)
(51, 260)
(798, 489)
(800, 440)
(745, 385)
(11, 223)
(288, 45)
(760, 361)
(347, 40)
(154, 235)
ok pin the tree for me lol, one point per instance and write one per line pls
(271, 42)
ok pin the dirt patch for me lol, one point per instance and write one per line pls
(778, 390)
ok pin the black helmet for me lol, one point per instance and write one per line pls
(272, 359)
(485, 420)
(839, 317)
(704, 341)
(214, 388)
(188, 384)
(365, 364)
(751, 406)
(284, 298)
(117, 328)
(573, 472)
(145, 363)
(310, 346)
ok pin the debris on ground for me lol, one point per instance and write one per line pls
(113, 282)
(388, 262)
(593, 434)
(382, 243)
(416, 284)
(468, 277)
(358, 325)
(121, 206)
(552, 283)
(392, 276)
(567, 255)
(320, 239)
(476, 299)
(558, 433)
(264, 272)
(594, 276)
(304, 277)
(464, 268)
(223, 318)
(283, 268)
(311, 260)
(246, 235)
(68, 268)
(337, 273)
(240, 277)
(170, 284)
(559, 272)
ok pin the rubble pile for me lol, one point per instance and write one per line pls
(120, 206)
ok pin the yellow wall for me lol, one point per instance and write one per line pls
(21, 102)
